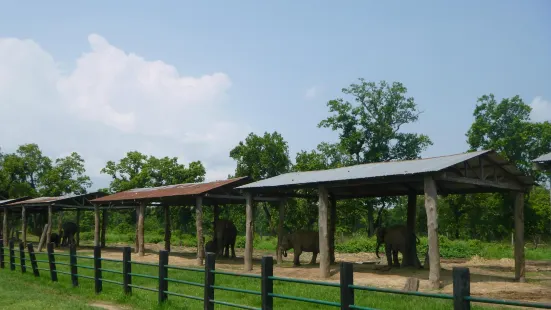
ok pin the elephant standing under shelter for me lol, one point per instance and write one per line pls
(69, 231)
(225, 234)
(301, 241)
(394, 239)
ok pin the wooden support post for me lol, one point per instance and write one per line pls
(2, 254)
(280, 231)
(5, 227)
(141, 236)
(50, 224)
(163, 274)
(12, 256)
(22, 257)
(78, 228)
(167, 228)
(519, 238)
(267, 284)
(60, 223)
(97, 270)
(199, 228)
(136, 239)
(24, 225)
(103, 227)
(43, 237)
(96, 226)
(208, 295)
(410, 257)
(32, 258)
(249, 226)
(461, 288)
(51, 261)
(126, 270)
(323, 232)
(347, 279)
(332, 228)
(73, 263)
(432, 228)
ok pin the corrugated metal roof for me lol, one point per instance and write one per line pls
(543, 158)
(6, 201)
(186, 189)
(382, 169)
(66, 199)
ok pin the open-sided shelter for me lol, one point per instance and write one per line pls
(188, 194)
(543, 162)
(4, 208)
(51, 205)
(474, 172)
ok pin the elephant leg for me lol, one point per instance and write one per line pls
(296, 260)
(233, 250)
(395, 258)
(226, 250)
(388, 253)
(314, 256)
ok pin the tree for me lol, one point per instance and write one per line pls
(370, 129)
(67, 176)
(261, 157)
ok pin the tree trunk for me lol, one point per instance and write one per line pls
(519, 238)
(323, 232)
(249, 226)
(103, 227)
(432, 228)
(410, 257)
(199, 226)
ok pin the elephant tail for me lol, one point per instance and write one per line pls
(377, 249)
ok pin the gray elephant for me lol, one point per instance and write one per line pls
(225, 234)
(69, 231)
(54, 238)
(394, 239)
(210, 247)
(301, 241)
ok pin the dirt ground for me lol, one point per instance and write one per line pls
(489, 278)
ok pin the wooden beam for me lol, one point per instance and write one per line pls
(280, 231)
(103, 227)
(519, 237)
(199, 229)
(24, 226)
(78, 228)
(167, 228)
(141, 233)
(96, 226)
(241, 198)
(432, 228)
(323, 232)
(5, 227)
(136, 237)
(249, 226)
(410, 257)
(332, 227)
(478, 182)
(50, 223)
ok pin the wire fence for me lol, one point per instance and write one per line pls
(461, 296)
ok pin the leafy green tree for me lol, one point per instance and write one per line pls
(67, 176)
(371, 128)
(261, 157)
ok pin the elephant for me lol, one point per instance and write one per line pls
(210, 247)
(301, 241)
(394, 239)
(69, 231)
(225, 234)
(54, 238)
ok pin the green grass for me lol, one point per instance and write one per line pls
(35, 293)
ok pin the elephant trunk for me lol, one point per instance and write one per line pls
(377, 249)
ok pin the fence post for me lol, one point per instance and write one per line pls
(126, 270)
(461, 288)
(163, 274)
(12, 256)
(209, 281)
(51, 261)
(97, 269)
(32, 258)
(347, 279)
(267, 271)
(73, 262)
(2, 253)
(22, 257)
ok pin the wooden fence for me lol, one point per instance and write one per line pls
(461, 297)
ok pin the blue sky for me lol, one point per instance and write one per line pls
(286, 59)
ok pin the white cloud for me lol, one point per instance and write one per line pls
(311, 92)
(111, 103)
(541, 110)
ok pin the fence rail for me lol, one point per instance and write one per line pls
(461, 296)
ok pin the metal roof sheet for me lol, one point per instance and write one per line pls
(185, 189)
(66, 199)
(382, 169)
(543, 158)
(7, 201)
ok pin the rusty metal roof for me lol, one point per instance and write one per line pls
(67, 200)
(8, 201)
(185, 189)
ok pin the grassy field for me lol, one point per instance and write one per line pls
(24, 291)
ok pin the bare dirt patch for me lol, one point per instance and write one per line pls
(106, 306)
(489, 278)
